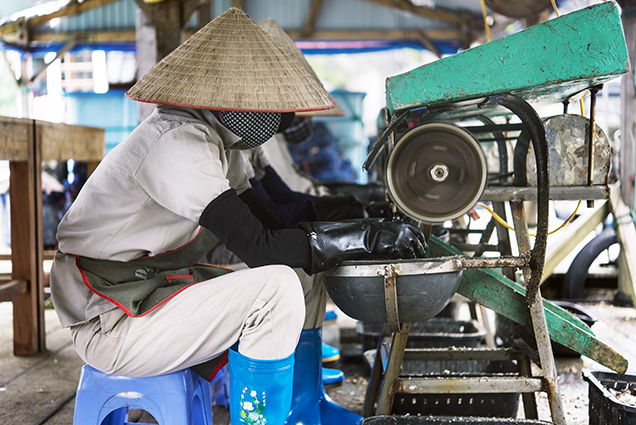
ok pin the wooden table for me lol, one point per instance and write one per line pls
(25, 143)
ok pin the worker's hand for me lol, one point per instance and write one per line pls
(334, 242)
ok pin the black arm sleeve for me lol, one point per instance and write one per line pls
(259, 209)
(242, 233)
(278, 190)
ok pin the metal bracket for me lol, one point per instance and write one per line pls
(390, 273)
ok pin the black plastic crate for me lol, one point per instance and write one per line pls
(447, 420)
(476, 404)
(472, 405)
(434, 333)
(605, 407)
(445, 333)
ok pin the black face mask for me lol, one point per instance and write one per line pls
(254, 128)
(299, 131)
(287, 118)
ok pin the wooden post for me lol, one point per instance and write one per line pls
(153, 45)
(146, 57)
(26, 247)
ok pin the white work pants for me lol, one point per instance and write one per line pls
(262, 308)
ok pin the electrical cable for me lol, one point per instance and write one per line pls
(507, 226)
(485, 15)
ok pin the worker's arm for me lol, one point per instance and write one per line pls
(314, 246)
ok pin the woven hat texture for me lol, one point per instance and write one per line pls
(232, 64)
(279, 34)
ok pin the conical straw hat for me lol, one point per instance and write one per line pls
(279, 34)
(232, 64)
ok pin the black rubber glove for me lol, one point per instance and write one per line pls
(334, 242)
(334, 208)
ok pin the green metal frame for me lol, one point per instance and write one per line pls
(544, 64)
(508, 298)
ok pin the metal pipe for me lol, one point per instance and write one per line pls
(590, 147)
(495, 262)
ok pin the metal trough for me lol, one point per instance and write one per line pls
(407, 291)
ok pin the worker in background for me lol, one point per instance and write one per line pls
(124, 279)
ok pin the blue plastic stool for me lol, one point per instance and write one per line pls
(178, 398)
(220, 387)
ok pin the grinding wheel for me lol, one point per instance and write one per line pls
(436, 172)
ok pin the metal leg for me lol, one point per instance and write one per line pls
(375, 380)
(392, 373)
(532, 274)
(539, 323)
(529, 399)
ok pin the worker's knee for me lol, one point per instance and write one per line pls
(284, 289)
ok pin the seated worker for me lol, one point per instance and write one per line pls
(292, 208)
(125, 280)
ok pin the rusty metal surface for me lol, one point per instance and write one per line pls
(422, 266)
(390, 297)
(558, 193)
(568, 153)
(424, 288)
(495, 262)
(486, 384)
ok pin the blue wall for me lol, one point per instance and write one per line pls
(111, 111)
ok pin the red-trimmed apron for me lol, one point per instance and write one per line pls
(142, 285)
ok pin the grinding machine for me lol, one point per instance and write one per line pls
(431, 158)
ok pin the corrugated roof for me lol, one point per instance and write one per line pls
(290, 14)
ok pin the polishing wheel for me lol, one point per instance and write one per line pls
(436, 172)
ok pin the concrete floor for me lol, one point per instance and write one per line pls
(40, 390)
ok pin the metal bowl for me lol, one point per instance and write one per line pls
(423, 286)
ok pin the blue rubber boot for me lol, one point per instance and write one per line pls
(330, 317)
(310, 403)
(260, 390)
(329, 353)
(332, 378)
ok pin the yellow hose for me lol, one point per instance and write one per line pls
(485, 14)
(507, 226)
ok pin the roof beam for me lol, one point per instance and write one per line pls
(428, 43)
(70, 43)
(72, 8)
(129, 35)
(189, 7)
(443, 15)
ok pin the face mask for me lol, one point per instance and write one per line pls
(299, 131)
(254, 128)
